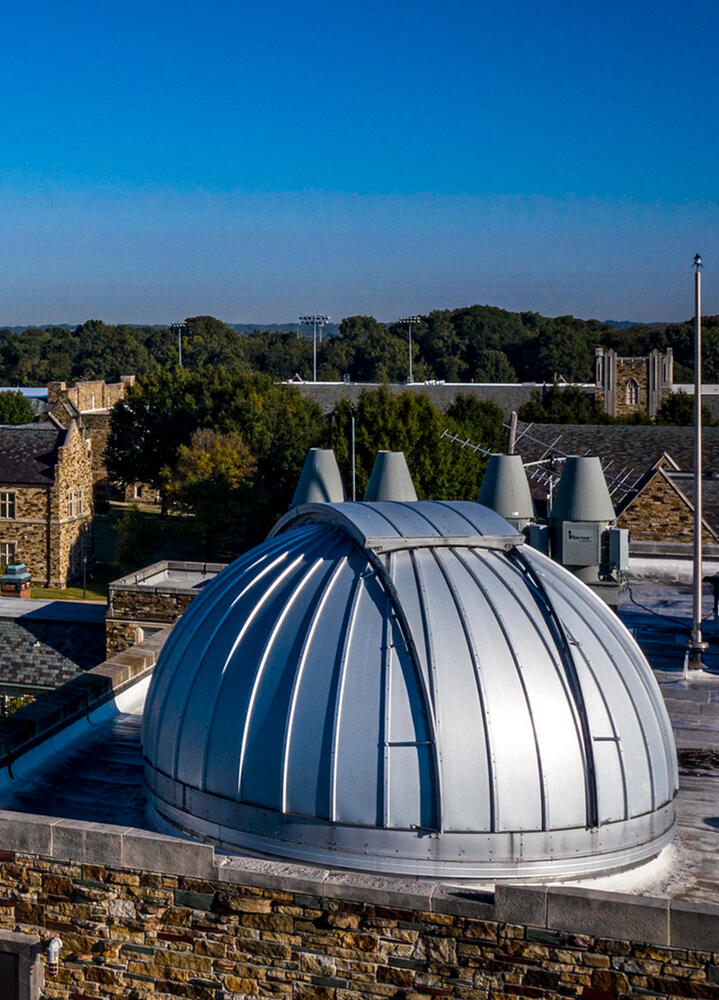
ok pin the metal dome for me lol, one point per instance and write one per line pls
(406, 687)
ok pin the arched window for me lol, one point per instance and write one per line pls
(632, 392)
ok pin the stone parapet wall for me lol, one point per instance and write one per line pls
(70, 702)
(98, 427)
(132, 603)
(141, 914)
(148, 605)
(90, 395)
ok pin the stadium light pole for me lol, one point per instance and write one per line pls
(695, 646)
(316, 320)
(179, 327)
(408, 321)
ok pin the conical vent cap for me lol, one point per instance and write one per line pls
(390, 479)
(505, 488)
(582, 494)
(320, 480)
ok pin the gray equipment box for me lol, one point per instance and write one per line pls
(618, 549)
(538, 537)
(581, 543)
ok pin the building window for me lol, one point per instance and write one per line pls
(75, 504)
(7, 505)
(7, 554)
(632, 392)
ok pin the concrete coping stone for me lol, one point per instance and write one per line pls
(569, 909)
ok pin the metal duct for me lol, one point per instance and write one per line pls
(320, 480)
(390, 478)
(506, 490)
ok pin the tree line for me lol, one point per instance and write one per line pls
(473, 344)
(227, 447)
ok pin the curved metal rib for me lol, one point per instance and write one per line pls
(565, 652)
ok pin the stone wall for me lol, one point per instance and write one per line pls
(631, 368)
(92, 400)
(98, 427)
(136, 608)
(29, 530)
(140, 914)
(90, 395)
(658, 513)
(132, 603)
(71, 536)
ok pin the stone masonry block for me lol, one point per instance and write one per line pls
(609, 915)
(521, 904)
(27, 833)
(694, 926)
(92, 843)
(156, 852)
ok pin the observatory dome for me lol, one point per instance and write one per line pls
(407, 687)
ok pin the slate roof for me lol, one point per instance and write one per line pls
(634, 447)
(28, 452)
(47, 654)
(508, 396)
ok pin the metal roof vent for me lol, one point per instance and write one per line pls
(320, 480)
(582, 533)
(582, 493)
(408, 688)
(390, 478)
(506, 490)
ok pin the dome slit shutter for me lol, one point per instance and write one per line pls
(565, 652)
(395, 604)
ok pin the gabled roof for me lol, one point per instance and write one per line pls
(28, 453)
(660, 471)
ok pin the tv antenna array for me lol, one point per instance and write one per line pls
(546, 470)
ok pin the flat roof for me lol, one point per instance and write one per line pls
(170, 575)
(97, 776)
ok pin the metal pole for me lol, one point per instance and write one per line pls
(512, 442)
(696, 646)
(314, 352)
(179, 344)
(354, 463)
(409, 338)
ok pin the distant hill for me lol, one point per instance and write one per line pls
(328, 330)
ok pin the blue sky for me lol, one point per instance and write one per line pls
(259, 161)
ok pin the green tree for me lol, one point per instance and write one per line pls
(138, 538)
(678, 409)
(493, 366)
(162, 411)
(210, 481)
(563, 405)
(409, 422)
(15, 409)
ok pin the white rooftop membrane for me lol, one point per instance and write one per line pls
(404, 687)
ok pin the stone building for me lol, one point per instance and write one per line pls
(46, 487)
(92, 402)
(148, 600)
(658, 510)
(630, 385)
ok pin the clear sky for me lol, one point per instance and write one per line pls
(256, 161)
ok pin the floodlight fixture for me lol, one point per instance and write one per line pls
(179, 325)
(316, 320)
(409, 321)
